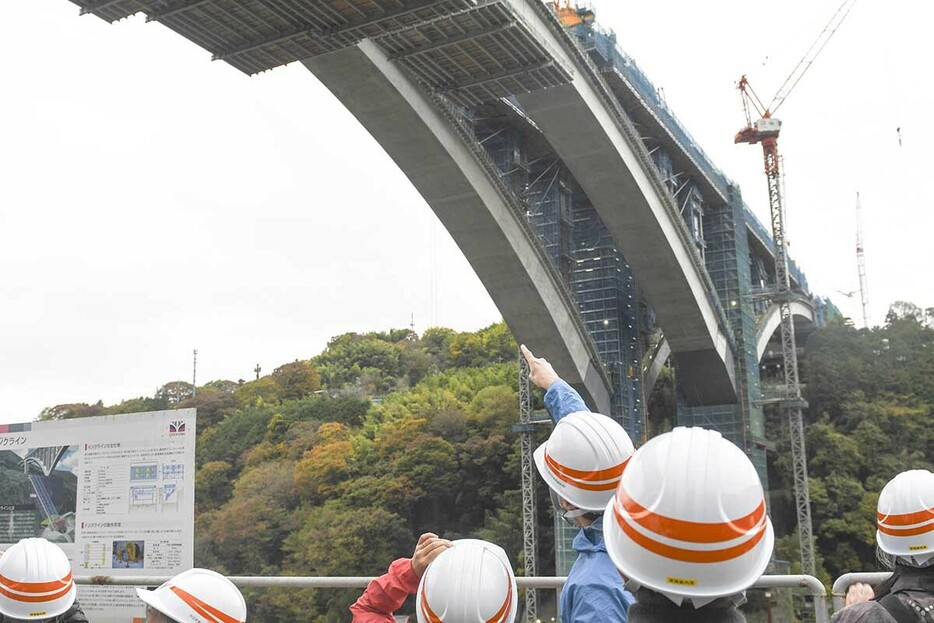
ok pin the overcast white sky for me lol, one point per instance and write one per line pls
(153, 202)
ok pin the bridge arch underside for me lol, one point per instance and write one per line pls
(414, 77)
(769, 339)
(450, 173)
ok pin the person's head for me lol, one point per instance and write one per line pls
(689, 520)
(35, 581)
(195, 596)
(470, 582)
(905, 520)
(582, 462)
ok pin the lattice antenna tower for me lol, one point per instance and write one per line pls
(529, 515)
(861, 263)
(194, 374)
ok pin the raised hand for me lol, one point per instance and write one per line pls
(428, 548)
(540, 371)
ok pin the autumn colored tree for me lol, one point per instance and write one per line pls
(296, 380)
(333, 466)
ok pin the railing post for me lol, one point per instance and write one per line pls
(809, 582)
(842, 583)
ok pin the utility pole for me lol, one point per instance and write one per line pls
(194, 376)
(861, 264)
(529, 516)
(257, 369)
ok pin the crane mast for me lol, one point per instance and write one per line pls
(765, 131)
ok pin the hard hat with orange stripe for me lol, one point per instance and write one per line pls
(688, 519)
(471, 582)
(198, 596)
(584, 458)
(35, 581)
(905, 517)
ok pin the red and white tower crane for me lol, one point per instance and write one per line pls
(765, 131)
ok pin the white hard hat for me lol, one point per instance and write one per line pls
(689, 518)
(583, 459)
(471, 582)
(35, 581)
(905, 518)
(198, 596)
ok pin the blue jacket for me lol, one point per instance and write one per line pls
(561, 399)
(594, 591)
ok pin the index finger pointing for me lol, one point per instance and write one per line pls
(527, 353)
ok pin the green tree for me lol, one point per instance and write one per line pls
(263, 390)
(175, 392)
(70, 411)
(213, 484)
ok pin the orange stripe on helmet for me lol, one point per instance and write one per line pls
(503, 613)
(500, 617)
(203, 608)
(428, 612)
(36, 587)
(907, 531)
(36, 598)
(690, 531)
(906, 519)
(584, 479)
(689, 555)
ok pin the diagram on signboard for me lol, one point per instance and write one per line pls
(149, 493)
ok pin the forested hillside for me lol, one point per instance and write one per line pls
(871, 416)
(334, 465)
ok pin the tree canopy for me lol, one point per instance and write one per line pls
(335, 464)
(871, 397)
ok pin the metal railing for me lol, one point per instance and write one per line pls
(844, 582)
(279, 581)
(814, 587)
(809, 583)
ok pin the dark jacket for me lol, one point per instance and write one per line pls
(652, 607)
(914, 588)
(72, 615)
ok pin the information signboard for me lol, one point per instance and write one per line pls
(116, 493)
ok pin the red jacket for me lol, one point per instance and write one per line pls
(385, 594)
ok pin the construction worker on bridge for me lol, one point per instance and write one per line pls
(36, 584)
(195, 596)
(464, 581)
(688, 528)
(905, 544)
(582, 463)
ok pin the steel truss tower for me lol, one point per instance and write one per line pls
(766, 131)
(529, 515)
